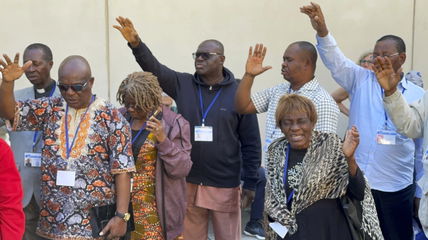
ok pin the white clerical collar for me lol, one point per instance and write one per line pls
(40, 90)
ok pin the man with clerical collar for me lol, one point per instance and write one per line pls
(27, 145)
(86, 155)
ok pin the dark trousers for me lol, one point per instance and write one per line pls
(394, 210)
(258, 204)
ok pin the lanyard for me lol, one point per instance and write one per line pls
(286, 171)
(204, 114)
(69, 147)
(36, 133)
(386, 116)
(134, 138)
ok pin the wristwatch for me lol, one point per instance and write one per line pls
(124, 216)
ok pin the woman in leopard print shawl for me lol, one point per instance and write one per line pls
(307, 202)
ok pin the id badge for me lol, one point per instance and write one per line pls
(203, 133)
(65, 178)
(268, 141)
(386, 137)
(280, 229)
(32, 159)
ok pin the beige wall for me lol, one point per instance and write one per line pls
(173, 29)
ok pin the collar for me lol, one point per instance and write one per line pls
(46, 90)
(309, 86)
(404, 83)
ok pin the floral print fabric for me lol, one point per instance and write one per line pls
(147, 223)
(101, 149)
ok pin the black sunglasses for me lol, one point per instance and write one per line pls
(204, 55)
(74, 87)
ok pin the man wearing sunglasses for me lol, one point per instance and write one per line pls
(27, 145)
(220, 136)
(386, 157)
(86, 157)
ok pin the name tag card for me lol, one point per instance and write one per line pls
(386, 137)
(204, 133)
(32, 159)
(65, 178)
(280, 229)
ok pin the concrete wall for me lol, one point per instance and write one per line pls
(173, 29)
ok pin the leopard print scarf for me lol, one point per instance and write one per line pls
(323, 163)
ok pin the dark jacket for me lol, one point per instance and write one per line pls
(172, 166)
(215, 163)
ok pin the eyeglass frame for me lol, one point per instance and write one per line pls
(209, 54)
(388, 56)
(73, 86)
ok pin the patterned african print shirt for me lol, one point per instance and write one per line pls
(101, 149)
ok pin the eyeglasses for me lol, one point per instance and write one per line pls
(204, 55)
(389, 56)
(74, 87)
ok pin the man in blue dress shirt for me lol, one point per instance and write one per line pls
(386, 157)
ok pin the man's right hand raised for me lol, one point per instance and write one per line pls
(317, 18)
(11, 70)
(128, 31)
(255, 59)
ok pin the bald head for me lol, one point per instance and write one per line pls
(308, 50)
(74, 65)
(75, 81)
(214, 43)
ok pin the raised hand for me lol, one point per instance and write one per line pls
(255, 59)
(128, 31)
(386, 76)
(352, 139)
(317, 18)
(11, 70)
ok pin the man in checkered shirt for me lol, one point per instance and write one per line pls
(298, 68)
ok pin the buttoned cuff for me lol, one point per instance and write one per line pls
(327, 40)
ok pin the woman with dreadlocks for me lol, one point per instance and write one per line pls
(161, 147)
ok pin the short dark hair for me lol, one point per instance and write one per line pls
(399, 43)
(217, 43)
(310, 49)
(47, 53)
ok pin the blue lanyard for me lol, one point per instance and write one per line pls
(69, 147)
(286, 171)
(36, 133)
(386, 116)
(134, 138)
(204, 114)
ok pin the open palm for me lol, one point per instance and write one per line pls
(255, 59)
(385, 73)
(11, 70)
(352, 139)
(127, 30)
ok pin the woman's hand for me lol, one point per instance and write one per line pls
(352, 139)
(155, 126)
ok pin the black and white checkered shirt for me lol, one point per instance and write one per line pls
(267, 101)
